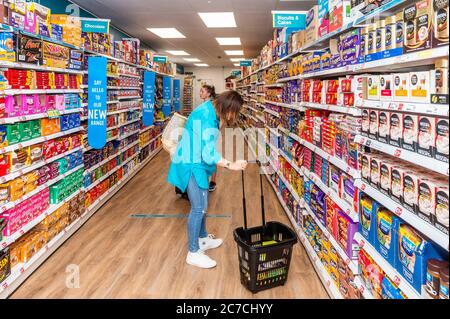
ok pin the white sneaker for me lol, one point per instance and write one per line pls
(209, 242)
(199, 259)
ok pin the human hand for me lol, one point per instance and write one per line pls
(239, 165)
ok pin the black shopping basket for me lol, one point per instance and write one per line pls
(265, 251)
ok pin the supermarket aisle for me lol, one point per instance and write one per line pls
(123, 257)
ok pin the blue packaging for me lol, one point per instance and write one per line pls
(413, 253)
(389, 290)
(64, 120)
(57, 32)
(386, 238)
(367, 218)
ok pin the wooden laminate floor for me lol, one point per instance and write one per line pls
(123, 257)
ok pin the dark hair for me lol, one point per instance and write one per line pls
(228, 105)
(211, 90)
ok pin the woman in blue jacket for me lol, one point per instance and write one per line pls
(195, 160)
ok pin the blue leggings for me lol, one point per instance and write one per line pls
(197, 218)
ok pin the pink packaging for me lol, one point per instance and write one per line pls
(30, 21)
(28, 106)
(59, 102)
(13, 105)
(40, 103)
(50, 102)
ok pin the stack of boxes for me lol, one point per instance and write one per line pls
(68, 28)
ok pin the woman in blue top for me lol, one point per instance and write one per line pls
(195, 160)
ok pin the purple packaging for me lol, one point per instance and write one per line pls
(336, 61)
(17, 20)
(346, 234)
(348, 189)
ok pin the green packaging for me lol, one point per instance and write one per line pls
(25, 131)
(62, 166)
(13, 133)
(55, 193)
(35, 127)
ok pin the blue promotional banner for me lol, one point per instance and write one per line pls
(148, 107)
(176, 95)
(97, 107)
(95, 25)
(167, 96)
(289, 19)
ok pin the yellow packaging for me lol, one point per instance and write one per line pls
(401, 87)
(373, 87)
(419, 86)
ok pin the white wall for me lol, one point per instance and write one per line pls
(213, 76)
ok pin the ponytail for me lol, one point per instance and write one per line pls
(211, 90)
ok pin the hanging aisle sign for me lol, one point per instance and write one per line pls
(167, 96)
(176, 95)
(159, 59)
(97, 107)
(95, 25)
(148, 107)
(289, 19)
(245, 63)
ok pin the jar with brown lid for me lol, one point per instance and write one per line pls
(380, 36)
(443, 278)
(399, 27)
(372, 36)
(390, 32)
(432, 279)
(441, 78)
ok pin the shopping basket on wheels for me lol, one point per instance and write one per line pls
(265, 251)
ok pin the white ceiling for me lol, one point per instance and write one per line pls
(253, 19)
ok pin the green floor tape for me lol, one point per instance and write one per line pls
(176, 216)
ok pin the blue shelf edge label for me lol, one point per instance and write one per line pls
(167, 96)
(176, 95)
(97, 97)
(148, 106)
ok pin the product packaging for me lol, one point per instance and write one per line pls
(401, 87)
(410, 132)
(442, 139)
(414, 251)
(386, 87)
(386, 238)
(418, 27)
(440, 23)
(312, 25)
(367, 218)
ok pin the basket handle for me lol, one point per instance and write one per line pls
(263, 210)
(244, 205)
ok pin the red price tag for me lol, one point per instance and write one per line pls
(22, 270)
(362, 243)
(362, 289)
(3, 245)
(5, 285)
(363, 186)
(363, 141)
(348, 211)
(20, 146)
(21, 232)
(347, 170)
(398, 211)
(398, 152)
(397, 280)
(46, 247)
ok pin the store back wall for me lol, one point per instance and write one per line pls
(212, 76)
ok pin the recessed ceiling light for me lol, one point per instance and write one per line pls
(191, 59)
(167, 33)
(201, 64)
(234, 52)
(229, 41)
(236, 59)
(218, 19)
(176, 52)
(236, 64)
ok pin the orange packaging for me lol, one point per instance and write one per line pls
(50, 126)
(332, 86)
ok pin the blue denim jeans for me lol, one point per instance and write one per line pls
(197, 218)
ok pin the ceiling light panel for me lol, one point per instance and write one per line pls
(229, 41)
(234, 52)
(218, 19)
(177, 52)
(167, 33)
(201, 64)
(191, 59)
(237, 64)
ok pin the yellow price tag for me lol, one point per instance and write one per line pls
(53, 113)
